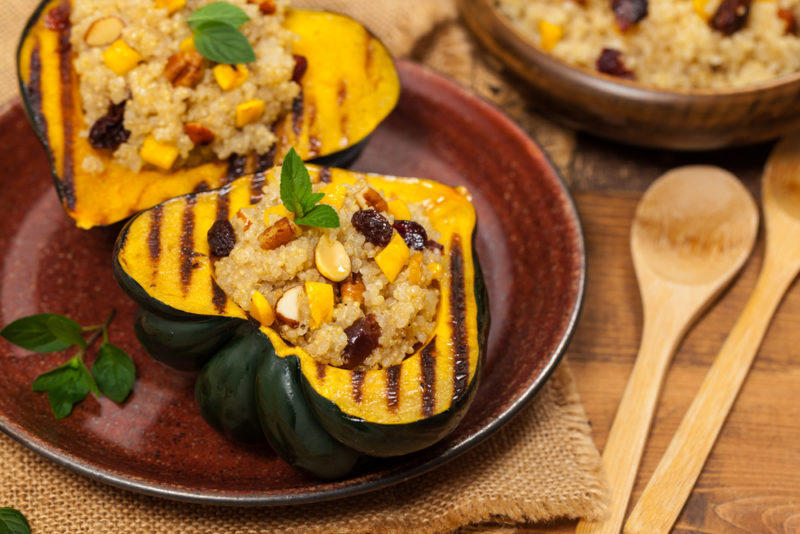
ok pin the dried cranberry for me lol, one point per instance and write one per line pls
(731, 16)
(628, 12)
(300, 67)
(362, 339)
(221, 238)
(108, 130)
(610, 62)
(412, 233)
(373, 225)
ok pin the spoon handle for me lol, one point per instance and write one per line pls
(666, 493)
(623, 450)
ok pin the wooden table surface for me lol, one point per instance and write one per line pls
(751, 482)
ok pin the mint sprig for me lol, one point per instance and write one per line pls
(112, 374)
(216, 33)
(13, 522)
(298, 197)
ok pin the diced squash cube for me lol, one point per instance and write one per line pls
(120, 57)
(187, 45)
(701, 8)
(550, 33)
(230, 77)
(158, 153)
(261, 310)
(415, 268)
(334, 195)
(320, 300)
(248, 112)
(436, 269)
(171, 5)
(399, 210)
(393, 257)
(279, 210)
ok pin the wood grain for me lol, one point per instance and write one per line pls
(751, 482)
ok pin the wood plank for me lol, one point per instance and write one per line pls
(751, 482)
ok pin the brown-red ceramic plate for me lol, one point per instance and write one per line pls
(531, 248)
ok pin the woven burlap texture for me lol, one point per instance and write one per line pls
(541, 466)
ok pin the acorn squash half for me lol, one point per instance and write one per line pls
(319, 418)
(349, 87)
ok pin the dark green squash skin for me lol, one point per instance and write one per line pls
(248, 393)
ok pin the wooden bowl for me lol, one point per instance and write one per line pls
(633, 113)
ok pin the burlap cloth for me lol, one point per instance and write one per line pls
(540, 467)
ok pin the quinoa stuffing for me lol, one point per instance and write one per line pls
(151, 97)
(361, 295)
(669, 44)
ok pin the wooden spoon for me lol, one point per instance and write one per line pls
(675, 476)
(694, 228)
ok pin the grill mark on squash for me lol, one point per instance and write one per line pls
(358, 384)
(297, 114)
(219, 298)
(67, 108)
(393, 387)
(428, 361)
(325, 175)
(236, 168)
(33, 89)
(267, 160)
(368, 51)
(458, 318)
(321, 371)
(154, 236)
(256, 183)
(187, 252)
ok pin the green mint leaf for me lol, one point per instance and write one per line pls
(114, 372)
(13, 522)
(66, 330)
(66, 385)
(222, 43)
(35, 332)
(295, 183)
(218, 12)
(311, 200)
(321, 216)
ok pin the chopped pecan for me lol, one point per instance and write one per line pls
(352, 289)
(267, 7)
(628, 12)
(610, 62)
(198, 133)
(184, 69)
(788, 16)
(373, 199)
(731, 16)
(278, 234)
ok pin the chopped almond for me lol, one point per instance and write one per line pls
(103, 31)
(278, 234)
(184, 69)
(245, 221)
(287, 309)
(198, 133)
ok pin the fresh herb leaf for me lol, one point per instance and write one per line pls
(36, 332)
(66, 385)
(66, 330)
(218, 12)
(13, 522)
(298, 197)
(321, 216)
(114, 372)
(222, 43)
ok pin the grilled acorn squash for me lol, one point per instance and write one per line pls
(349, 87)
(319, 418)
